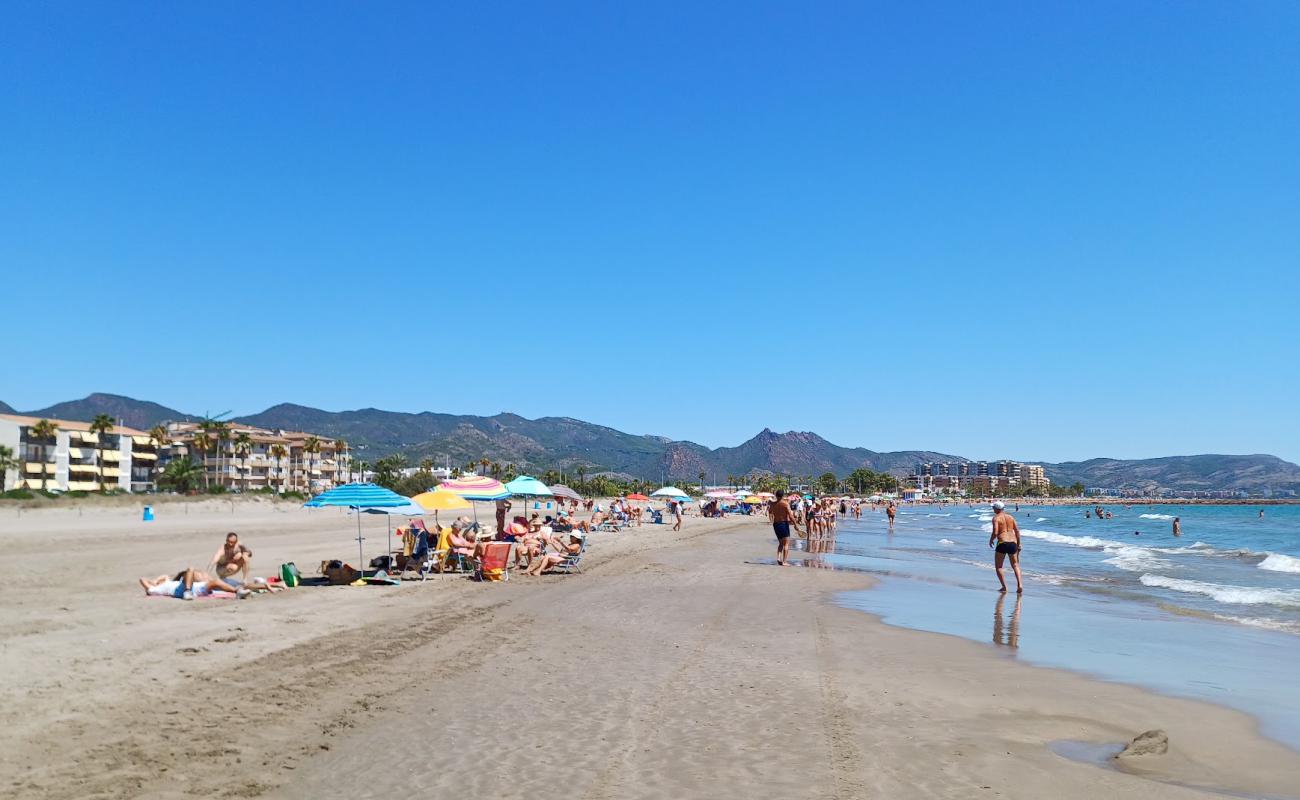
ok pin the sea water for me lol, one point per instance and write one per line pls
(1213, 614)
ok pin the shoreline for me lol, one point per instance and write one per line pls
(681, 668)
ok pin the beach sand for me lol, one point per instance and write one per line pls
(674, 665)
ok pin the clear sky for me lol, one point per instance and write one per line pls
(1034, 230)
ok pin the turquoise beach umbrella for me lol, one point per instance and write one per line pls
(361, 496)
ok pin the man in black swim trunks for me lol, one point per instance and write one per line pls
(1006, 533)
(782, 517)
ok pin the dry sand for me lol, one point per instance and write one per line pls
(673, 666)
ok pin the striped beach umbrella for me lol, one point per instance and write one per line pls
(360, 496)
(560, 490)
(476, 487)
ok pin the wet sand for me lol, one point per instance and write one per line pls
(674, 665)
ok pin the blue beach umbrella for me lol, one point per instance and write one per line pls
(526, 486)
(361, 496)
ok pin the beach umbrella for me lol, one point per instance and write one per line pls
(477, 487)
(560, 490)
(526, 486)
(720, 494)
(412, 509)
(767, 495)
(360, 496)
(669, 491)
(440, 500)
(753, 500)
(637, 496)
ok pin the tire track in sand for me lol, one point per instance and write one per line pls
(845, 760)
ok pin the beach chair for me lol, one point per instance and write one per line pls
(494, 565)
(572, 561)
(609, 524)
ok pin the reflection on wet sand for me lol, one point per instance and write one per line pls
(1006, 632)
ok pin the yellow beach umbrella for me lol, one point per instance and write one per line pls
(439, 500)
(753, 500)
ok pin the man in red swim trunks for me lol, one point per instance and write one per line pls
(1007, 535)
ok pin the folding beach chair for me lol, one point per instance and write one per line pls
(494, 565)
(572, 561)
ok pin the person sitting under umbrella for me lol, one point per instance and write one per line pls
(545, 561)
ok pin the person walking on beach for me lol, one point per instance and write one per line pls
(1178, 527)
(677, 514)
(891, 510)
(1006, 533)
(781, 516)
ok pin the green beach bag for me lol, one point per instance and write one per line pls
(290, 575)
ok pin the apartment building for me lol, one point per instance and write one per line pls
(980, 477)
(246, 457)
(73, 458)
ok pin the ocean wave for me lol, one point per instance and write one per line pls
(1155, 516)
(946, 541)
(938, 515)
(1276, 562)
(1235, 595)
(1262, 622)
(1135, 559)
(1041, 519)
(987, 527)
(1131, 558)
(1073, 541)
(985, 517)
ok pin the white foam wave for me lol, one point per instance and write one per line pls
(1276, 562)
(985, 517)
(1135, 559)
(1236, 595)
(946, 541)
(938, 515)
(1041, 519)
(1127, 557)
(1073, 541)
(1155, 516)
(1262, 622)
(987, 527)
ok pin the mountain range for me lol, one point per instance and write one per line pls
(548, 442)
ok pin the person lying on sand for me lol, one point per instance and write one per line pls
(545, 561)
(188, 584)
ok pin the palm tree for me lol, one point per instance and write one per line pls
(427, 465)
(161, 438)
(222, 431)
(7, 462)
(203, 443)
(244, 446)
(181, 474)
(582, 478)
(278, 452)
(703, 475)
(101, 425)
(341, 456)
(309, 449)
(483, 462)
(43, 431)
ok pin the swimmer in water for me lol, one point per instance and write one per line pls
(1178, 527)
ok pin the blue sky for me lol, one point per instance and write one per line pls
(1013, 230)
